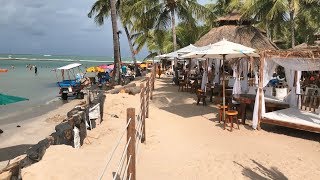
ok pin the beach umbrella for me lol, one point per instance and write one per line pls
(224, 50)
(111, 67)
(95, 69)
(103, 66)
(7, 99)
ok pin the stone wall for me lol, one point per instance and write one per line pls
(63, 134)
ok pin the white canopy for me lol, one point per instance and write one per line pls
(298, 64)
(180, 52)
(69, 66)
(224, 47)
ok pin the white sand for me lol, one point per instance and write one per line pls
(184, 141)
(16, 140)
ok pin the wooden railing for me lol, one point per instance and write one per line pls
(136, 134)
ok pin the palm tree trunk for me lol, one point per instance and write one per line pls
(173, 21)
(116, 47)
(292, 24)
(131, 46)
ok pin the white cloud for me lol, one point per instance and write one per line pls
(60, 26)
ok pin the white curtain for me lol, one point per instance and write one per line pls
(244, 87)
(217, 66)
(236, 86)
(269, 67)
(299, 64)
(291, 98)
(204, 80)
(298, 88)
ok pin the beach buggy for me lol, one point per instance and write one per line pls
(71, 82)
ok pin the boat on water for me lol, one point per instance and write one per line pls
(3, 70)
(47, 55)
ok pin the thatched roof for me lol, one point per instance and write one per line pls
(301, 46)
(245, 35)
(307, 52)
(233, 16)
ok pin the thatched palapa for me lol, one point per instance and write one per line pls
(245, 35)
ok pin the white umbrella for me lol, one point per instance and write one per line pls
(178, 53)
(226, 50)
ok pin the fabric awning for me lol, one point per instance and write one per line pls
(298, 64)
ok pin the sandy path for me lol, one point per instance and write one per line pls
(184, 141)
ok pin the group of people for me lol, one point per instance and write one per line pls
(29, 66)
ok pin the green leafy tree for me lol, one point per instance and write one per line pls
(160, 14)
(275, 13)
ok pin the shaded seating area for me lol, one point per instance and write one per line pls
(304, 109)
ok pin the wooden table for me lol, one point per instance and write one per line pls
(247, 99)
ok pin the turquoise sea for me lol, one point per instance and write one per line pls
(41, 89)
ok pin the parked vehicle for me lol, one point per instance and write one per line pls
(71, 82)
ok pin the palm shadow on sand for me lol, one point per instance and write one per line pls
(264, 172)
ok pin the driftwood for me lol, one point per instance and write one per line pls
(118, 89)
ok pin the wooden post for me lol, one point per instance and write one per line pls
(154, 75)
(262, 59)
(88, 97)
(143, 113)
(131, 151)
(150, 85)
(147, 96)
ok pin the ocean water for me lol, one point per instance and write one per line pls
(41, 89)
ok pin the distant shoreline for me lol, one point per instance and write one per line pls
(61, 60)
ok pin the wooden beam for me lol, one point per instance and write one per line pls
(290, 125)
(262, 59)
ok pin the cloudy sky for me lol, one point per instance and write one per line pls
(55, 27)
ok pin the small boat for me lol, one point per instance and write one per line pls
(47, 55)
(3, 70)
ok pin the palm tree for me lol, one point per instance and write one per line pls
(275, 13)
(159, 14)
(103, 8)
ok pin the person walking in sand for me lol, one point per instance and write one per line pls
(159, 71)
(35, 70)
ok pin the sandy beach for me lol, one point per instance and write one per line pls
(16, 140)
(185, 141)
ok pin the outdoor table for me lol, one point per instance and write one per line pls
(247, 99)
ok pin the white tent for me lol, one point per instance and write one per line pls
(176, 54)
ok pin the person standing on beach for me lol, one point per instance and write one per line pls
(159, 70)
(35, 70)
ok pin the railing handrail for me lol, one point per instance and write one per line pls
(139, 135)
(115, 148)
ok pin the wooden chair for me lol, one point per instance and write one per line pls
(221, 108)
(194, 86)
(231, 115)
(201, 95)
(182, 85)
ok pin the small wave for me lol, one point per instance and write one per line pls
(52, 100)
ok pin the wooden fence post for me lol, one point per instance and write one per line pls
(131, 151)
(143, 113)
(147, 96)
(153, 77)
